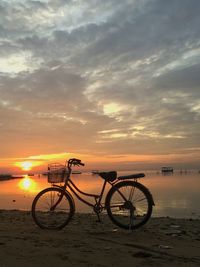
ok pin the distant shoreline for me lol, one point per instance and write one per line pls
(6, 177)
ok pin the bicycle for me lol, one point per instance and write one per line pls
(128, 203)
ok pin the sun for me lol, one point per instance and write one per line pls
(26, 165)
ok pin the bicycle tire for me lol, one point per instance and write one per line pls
(122, 212)
(52, 219)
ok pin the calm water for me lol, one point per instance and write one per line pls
(175, 195)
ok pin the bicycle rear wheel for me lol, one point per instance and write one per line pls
(129, 204)
(49, 215)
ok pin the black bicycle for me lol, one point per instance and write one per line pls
(128, 203)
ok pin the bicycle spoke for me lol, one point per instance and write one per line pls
(144, 198)
(131, 193)
(54, 218)
(131, 207)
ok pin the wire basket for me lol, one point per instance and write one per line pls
(56, 173)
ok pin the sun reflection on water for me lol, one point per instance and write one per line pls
(27, 184)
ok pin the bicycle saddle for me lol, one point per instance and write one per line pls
(132, 176)
(108, 176)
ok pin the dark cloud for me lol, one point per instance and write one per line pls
(186, 79)
(44, 90)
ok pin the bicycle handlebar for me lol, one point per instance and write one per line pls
(75, 161)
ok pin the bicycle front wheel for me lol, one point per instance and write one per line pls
(129, 204)
(50, 210)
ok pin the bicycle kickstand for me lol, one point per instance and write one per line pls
(98, 216)
(97, 209)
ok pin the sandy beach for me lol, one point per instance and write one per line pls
(85, 242)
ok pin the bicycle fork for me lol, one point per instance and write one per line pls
(52, 208)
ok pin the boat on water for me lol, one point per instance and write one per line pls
(30, 174)
(167, 169)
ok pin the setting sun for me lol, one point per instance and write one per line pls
(26, 165)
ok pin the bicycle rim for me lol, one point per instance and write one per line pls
(129, 205)
(48, 218)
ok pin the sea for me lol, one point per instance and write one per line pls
(175, 194)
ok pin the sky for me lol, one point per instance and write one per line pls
(115, 83)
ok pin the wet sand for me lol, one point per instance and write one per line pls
(85, 242)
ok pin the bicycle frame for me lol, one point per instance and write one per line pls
(71, 185)
(75, 190)
(127, 212)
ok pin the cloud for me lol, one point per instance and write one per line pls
(107, 77)
(185, 79)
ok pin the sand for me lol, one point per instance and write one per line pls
(85, 242)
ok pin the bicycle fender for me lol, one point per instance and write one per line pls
(151, 197)
(148, 192)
